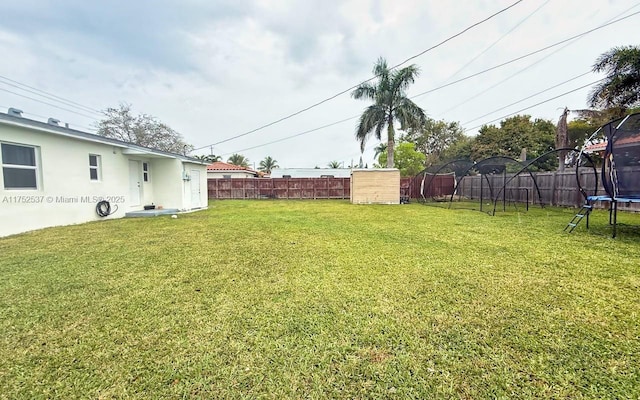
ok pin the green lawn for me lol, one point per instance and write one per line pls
(322, 299)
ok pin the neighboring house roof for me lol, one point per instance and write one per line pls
(129, 148)
(311, 172)
(624, 142)
(592, 148)
(219, 166)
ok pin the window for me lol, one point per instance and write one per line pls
(19, 169)
(94, 167)
(145, 172)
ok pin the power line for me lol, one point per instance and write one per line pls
(498, 40)
(47, 95)
(528, 97)
(531, 65)
(49, 104)
(482, 116)
(45, 117)
(524, 56)
(293, 136)
(454, 82)
(370, 79)
(535, 105)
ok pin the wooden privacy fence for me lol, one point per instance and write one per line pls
(556, 188)
(312, 188)
(279, 188)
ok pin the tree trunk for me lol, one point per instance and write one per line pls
(391, 141)
(562, 138)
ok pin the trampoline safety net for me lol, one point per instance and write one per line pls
(621, 168)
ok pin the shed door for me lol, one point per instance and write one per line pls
(195, 188)
(134, 183)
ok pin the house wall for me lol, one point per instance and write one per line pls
(375, 186)
(191, 185)
(167, 177)
(66, 194)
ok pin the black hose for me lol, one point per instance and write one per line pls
(103, 208)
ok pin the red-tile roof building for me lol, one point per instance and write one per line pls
(225, 170)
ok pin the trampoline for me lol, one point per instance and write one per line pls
(620, 172)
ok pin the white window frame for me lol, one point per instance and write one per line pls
(97, 167)
(36, 167)
(146, 176)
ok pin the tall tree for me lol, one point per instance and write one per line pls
(390, 104)
(407, 159)
(268, 164)
(514, 134)
(458, 150)
(621, 87)
(145, 130)
(334, 164)
(239, 160)
(434, 137)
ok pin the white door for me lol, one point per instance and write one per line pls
(195, 188)
(135, 188)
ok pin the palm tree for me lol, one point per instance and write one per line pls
(334, 164)
(208, 158)
(268, 164)
(379, 149)
(238, 159)
(213, 158)
(390, 103)
(621, 87)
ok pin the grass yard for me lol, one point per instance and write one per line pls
(322, 299)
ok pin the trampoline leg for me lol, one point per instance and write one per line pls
(588, 214)
(615, 217)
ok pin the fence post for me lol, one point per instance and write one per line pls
(343, 195)
(554, 185)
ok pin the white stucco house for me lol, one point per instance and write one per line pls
(53, 175)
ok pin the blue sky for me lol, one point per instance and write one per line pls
(215, 69)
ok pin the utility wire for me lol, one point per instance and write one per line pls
(368, 80)
(528, 97)
(47, 95)
(293, 136)
(497, 41)
(525, 56)
(71, 124)
(519, 111)
(49, 104)
(531, 65)
(356, 116)
(535, 105)
(450, 83)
